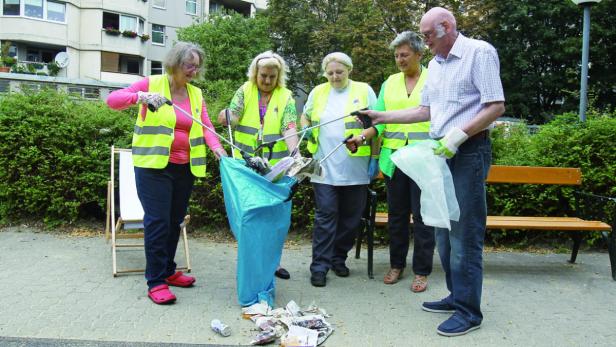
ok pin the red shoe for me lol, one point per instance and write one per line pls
(161, 295)
(178, 279)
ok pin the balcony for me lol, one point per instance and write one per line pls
(38, 69)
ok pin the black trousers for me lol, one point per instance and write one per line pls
(337, 220)
(403, 198)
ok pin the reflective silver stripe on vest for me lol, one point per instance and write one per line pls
(419, 136)
(197, 141)
(197, 161)
(246, 129)
(150, 150)
(153, 130)
(271, 138)
(245, 148)
(394, 135)
(353, 125)
(277, 155)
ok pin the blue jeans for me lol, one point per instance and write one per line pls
(337, 220)
(164, 195)
(461, 248)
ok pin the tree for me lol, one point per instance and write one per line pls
(230, 42)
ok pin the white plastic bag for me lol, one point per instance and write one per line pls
(431, 173)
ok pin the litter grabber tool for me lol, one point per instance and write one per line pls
(228, 117)
(270, 145)
(254, 163)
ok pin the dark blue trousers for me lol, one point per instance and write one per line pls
(461, 249)
(164, 195)
(403, 197)
(337, 220)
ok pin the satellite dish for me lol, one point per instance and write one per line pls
(61, 59)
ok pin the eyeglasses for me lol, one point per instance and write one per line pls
(427, 34)
(191, 67)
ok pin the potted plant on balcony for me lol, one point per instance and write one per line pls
(53, 68)
(6, 61)
(112, 31)
(129, 33)
(145, 37)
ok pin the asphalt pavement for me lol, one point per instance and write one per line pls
(58, 290)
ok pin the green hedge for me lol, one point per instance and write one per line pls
(55, 153)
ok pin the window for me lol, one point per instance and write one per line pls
(56, 11)
(159, 3)
(191, 7)
(141, 27)
(128, 23)
(10, 8)
(34, 8)
(216, 7)
(120, 63)
(111, 20)
(158, 34)
(156, 68)
(84, 92)
(120, 21)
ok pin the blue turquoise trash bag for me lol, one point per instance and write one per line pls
(260, 216)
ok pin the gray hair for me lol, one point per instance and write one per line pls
(408, 38)
(180, 53)
(338, 57)
(268, 59)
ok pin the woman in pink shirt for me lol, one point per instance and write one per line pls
(168, 152)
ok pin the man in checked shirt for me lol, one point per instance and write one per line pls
(461, 98)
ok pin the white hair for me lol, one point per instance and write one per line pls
(338, 57)
(268, 59)
(408, 38)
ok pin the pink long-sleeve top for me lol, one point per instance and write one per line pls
(180, 148)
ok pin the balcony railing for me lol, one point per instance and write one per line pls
(35, 68)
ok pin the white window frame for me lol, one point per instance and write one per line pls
(163, 7)
(162, 69)
(152, 36)
(134, 28)
(196, 7)
(43, 6)
(22, 11)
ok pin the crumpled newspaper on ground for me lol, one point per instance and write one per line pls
(293, 325)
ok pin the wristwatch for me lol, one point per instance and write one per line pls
(363, 138)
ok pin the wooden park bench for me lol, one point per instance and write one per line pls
(590, 210)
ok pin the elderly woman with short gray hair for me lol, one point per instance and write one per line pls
(263, 110)
(169, 151)
(400, 91)
(340, 194)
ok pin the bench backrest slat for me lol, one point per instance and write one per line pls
(534, 175)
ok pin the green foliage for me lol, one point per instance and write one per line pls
(230, 42)
(54, 152)
(564, 142)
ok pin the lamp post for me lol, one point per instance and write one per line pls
(585, 47)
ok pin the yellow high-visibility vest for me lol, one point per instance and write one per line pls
(358, 99)
(396, 98)
(247, 131)
(152, 137)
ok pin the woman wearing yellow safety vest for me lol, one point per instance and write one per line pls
(340, 194)
(400, 91)
(263, 110)
(168, 152)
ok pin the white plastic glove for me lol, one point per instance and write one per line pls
(153, 100)
(448, 145)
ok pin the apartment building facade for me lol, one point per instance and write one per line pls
(97, 44)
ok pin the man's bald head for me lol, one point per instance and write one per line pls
(438, 15)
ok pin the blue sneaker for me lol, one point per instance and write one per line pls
(456, 326)
(440, 306)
